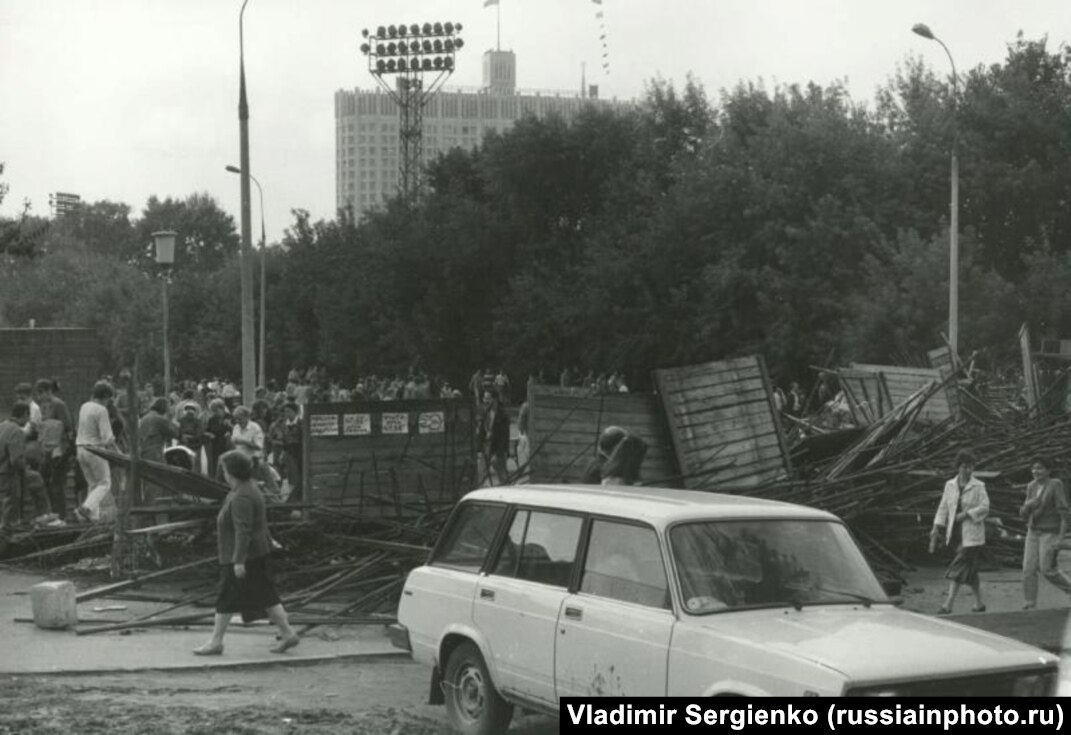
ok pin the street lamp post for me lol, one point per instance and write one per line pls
(165, 258)
(246, 262)
(953, 235)
(263, 281)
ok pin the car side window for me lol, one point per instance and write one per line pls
(540, 547)
(469, 537)
(624, 562)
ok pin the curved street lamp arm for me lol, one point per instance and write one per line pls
(955, 76)
(241, 36)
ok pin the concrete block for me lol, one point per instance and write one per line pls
(54, 605)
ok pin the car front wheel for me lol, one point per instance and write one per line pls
(474, 705)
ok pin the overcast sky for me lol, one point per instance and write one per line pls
(123, 99)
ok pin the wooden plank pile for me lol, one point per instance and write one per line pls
(337, 570)
(886, 484)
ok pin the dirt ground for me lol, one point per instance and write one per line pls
(380, 698)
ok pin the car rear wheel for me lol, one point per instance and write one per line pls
(474, 705)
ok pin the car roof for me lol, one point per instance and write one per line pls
(657, 505)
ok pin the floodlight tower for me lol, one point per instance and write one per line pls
(411, 53)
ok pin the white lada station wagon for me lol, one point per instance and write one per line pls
(538, 592)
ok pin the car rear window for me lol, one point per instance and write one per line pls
(469, 537)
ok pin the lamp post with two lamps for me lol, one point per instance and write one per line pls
(923, 30)
(164, 242)
(263, 280)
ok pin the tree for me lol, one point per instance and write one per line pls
(20, 237)
(206, 234)
(1016, 131)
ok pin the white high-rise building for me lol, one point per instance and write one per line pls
(366, 126)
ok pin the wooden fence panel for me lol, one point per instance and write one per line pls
(867, 394)
(724, 424)
(394, 459)
(563, 431)
(903, 382)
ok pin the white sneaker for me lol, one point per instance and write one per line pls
(56, 523)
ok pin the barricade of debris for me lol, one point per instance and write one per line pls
(330, 571)
(381, 480)
(884, 474)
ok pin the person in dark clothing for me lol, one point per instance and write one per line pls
(15, 473)
(155, 431)
(244, 543)
(115, 418)
(494, 436)
(623, 466)
(610, 437)
(191, 428)
(218, 433)
(292, 451)
(57, 444)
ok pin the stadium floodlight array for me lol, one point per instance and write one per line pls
(411, 53)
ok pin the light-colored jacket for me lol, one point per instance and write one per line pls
(974, 501)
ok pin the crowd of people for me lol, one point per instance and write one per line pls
(42, 443)
(200, 420)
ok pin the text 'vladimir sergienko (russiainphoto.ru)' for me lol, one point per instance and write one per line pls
(844, 715)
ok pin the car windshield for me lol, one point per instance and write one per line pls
(729, 565)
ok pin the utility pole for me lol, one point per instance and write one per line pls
(249, 376)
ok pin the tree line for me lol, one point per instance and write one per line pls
(792, 222)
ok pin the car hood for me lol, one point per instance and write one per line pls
(876, 644)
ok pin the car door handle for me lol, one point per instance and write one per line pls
(574, 613)
(486, 594)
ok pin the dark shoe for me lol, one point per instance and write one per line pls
(285, 645)
(209, 650)
(978, 608)
(1029, 605)
(83, 514)
(944, 610)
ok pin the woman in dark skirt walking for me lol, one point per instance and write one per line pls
(960, 519)
(246, 585)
